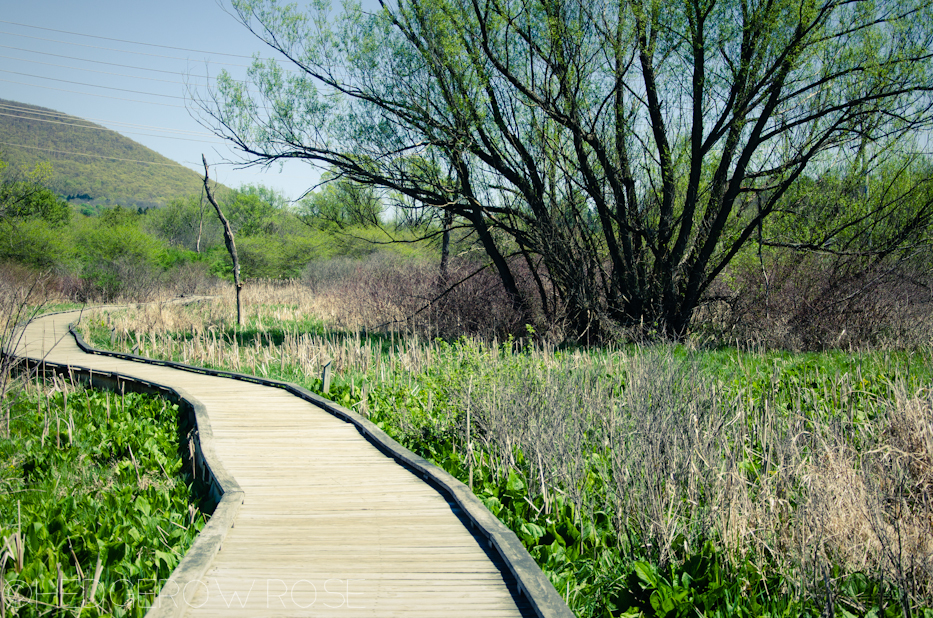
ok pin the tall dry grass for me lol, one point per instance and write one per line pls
(808, 475)
(684, 458)
(23, 295)
(200, 333)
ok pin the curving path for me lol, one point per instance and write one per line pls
(320, 515)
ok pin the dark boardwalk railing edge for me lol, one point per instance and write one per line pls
(533, 584)
(223, 489)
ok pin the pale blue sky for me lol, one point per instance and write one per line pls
(31, 59)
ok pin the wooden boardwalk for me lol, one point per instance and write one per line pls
(329, 525)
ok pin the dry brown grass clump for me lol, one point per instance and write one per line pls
(23, 294)
(153, 329)
(681, 458)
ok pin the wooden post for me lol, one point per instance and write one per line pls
(193, 456)
(469, 448)
(325, 379)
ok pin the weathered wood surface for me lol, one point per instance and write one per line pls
(330, 526)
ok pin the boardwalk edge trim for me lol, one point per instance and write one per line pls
(533, 584)
(223, 487)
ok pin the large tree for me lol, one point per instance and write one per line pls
(626, 150)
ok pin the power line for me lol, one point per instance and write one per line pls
(96, 128)
(84, 154)
(90, 94)
(62, 66)
(92, 36)
(67, 81)
(123, 51)
(151, 79)
(63, 116)
(113, 64)
(153, 94)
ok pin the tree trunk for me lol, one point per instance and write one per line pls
(228, 240)
(445, 246)
(516, 298)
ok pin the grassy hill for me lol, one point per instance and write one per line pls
(27, 136)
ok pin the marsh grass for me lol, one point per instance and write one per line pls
(805, 477)
(682, 458)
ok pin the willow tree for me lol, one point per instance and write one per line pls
(627, 150)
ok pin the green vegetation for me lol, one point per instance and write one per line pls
(23, 195)
(570, 206)
(274, 240)
(130, 253)
(658, 481)
(96, 509)
(626, 151)
(108, 178)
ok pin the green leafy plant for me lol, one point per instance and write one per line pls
(96, 508)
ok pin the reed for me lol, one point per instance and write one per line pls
(810, 468)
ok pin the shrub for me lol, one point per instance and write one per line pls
(385, 291)
(36, 243)
(117, 258)
(816, 302)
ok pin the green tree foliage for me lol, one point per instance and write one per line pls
(126, 251)
(633, 149)
(111, 253)
(31, 218)
(271, 242)
(270, 196)
(276, 257)
(188, 223)
(890, 202)
(46, 205)
(23, 195)
(116, 255)
(250, 215)
(35, 243)
(342, 203)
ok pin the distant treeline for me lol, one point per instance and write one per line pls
(103, 253)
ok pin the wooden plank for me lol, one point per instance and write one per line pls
(322, 504)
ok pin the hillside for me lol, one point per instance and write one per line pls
(29, 134)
